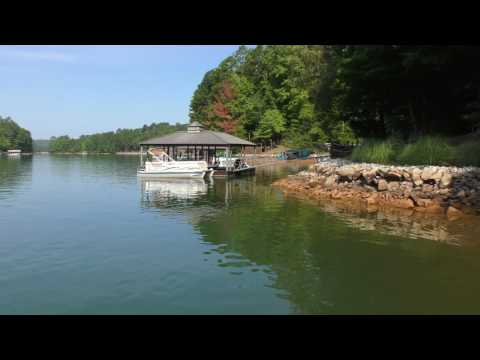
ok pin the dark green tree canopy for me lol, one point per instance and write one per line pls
(13, 136)
(339, 93)
(111, 142)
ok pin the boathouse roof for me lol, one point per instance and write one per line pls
(196, 134)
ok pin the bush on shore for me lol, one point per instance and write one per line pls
(426, 150)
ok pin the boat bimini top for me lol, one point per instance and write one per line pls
(159, 155)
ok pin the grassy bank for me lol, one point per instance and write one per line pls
(426, 150)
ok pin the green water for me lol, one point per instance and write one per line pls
(83, 235)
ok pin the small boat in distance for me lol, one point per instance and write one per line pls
(14, 152)
(162, 165)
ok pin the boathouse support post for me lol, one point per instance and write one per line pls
(229, 151)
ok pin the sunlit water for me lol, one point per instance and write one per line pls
(83, 235)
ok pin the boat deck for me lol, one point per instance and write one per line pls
(222, 172)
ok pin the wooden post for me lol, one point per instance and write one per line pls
(228, 158)
(141, 155)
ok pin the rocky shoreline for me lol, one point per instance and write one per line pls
(451, 191)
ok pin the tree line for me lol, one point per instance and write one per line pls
(113, 141)
(12, 136)
(302, 95)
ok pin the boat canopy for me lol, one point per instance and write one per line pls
(197, 135)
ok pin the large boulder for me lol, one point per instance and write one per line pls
(431, 173)
(369, 175)
(394, 174)
(402, 203)
(346, 171)
(445, 180)
(393, 186)
(453, 213)
(417, 176)
(382, 185)
(330, 182)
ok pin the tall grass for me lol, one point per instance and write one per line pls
(374, 151)
(426, 150)
(468, 154)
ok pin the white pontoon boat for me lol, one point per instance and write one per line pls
(162, 165)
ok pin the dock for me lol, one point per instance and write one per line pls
(221, 152)
(234, 172)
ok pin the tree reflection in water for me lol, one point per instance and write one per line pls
(15, 171)
(328, 258)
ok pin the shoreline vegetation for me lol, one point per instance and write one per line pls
(14, 137)
(119, 141)
(425, 150)
(300, 96)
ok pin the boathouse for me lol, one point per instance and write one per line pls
(198, 143)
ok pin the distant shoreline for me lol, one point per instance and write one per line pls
(84, 153)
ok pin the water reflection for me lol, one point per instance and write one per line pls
(15, 172)
(91, 168)
(404, 222)
(231, 245)
(165, 189)
(331, 258)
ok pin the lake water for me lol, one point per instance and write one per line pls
(84, 235)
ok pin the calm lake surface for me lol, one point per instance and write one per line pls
(84, 235)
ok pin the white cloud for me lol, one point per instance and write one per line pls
(45, 55)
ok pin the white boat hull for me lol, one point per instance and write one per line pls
(197, 174)
(175, 169)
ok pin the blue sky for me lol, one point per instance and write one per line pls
(75, 90)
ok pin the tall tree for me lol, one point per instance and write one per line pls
(13, 136)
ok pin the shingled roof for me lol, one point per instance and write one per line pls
(197, 135)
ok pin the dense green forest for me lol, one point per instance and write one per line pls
(111, 142)
(301, 95)
(13, 136)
